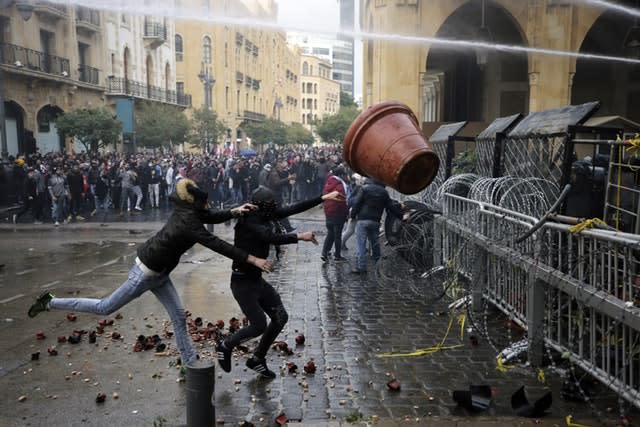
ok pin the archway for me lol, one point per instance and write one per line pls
(594, 79)
(461, 83)
(14, 125)
(47, 137)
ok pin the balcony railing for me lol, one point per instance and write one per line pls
(34, 60)
(45, 8)
(250, 115)
(122, 86)
(88, 74)
(155, 32)
(88, 19)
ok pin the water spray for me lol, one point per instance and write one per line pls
(202, 15)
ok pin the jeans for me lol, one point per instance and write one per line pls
(136, 284)
(367, 229)
(58, 209)
(346, 235)
(154, 195)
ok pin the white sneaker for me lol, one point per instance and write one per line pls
(138, 208)
(56, 223)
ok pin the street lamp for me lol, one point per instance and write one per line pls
(208, 81)
(483, 35)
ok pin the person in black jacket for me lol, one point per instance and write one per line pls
(368, 206)
(254, 233)
(158, 256)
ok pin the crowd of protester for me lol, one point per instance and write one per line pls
(64, 187)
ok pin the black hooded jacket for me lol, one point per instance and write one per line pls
(184, 228)
(254, 233)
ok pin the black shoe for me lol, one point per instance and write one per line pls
(324, 258)
(339, 259)
(260, 366)
(224, 356)
(356, 271)
(41, 304)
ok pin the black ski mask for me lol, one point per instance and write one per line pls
(265, 200)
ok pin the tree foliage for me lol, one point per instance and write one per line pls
(205, 126)
(269, 130)
(161, 125)
(298, 134)
(332, 129)
(93, 127)
(347, 100)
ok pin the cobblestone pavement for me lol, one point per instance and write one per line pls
(348, 321)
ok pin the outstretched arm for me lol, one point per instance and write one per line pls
(217, 217)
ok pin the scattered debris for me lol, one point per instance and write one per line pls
(394, 385)
(520, 404)
(478, 398)
(101, 397)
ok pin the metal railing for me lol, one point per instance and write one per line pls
(88, 16)
(88, 74)
(33, 60)
(155, 30)
(578, 293)
(122, 86)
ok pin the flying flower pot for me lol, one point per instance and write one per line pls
(385, 142)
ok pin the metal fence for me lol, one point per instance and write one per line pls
(575, 292)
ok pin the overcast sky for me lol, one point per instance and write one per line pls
(318, 15)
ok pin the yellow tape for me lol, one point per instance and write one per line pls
(541, 376)
(633, 146)
(587, 223)
(461, 319)
(430, 350)
(569, 420)
(501, 366)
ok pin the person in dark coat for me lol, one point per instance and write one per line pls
(29, 196)
(256, 297)
(158, 256)
(370, 203)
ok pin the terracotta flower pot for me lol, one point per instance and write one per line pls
(385, 143)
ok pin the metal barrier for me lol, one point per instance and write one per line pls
(578, 293)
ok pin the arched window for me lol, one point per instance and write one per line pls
(179, 48)
(206, 50)
(305, 68)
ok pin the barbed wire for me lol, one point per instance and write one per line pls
(412, 255)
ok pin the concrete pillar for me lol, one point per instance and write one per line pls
(200, 382)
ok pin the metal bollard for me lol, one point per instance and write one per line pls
(200, 382)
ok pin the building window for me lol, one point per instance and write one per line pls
(179, 48)
(180, 88)
(305, 69)
(206, 50)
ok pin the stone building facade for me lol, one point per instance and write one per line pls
(241, 71)
(320, 95)
(415, 52)
(57, 57)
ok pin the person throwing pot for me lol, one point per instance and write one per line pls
(158, 256)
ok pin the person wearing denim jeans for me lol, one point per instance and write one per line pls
(368, 207)
(158, 256)
(58, 190)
